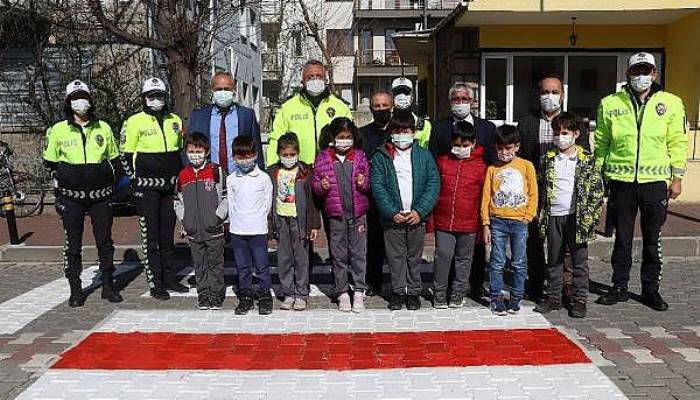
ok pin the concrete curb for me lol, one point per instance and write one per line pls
(599, 249)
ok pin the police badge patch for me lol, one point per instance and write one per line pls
(176, 127)
(330, 111)
(660, 109)
(100, 140)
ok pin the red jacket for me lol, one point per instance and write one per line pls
(462, 181)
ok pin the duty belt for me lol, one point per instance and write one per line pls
(87, 194)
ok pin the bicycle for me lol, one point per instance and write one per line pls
(25, 187)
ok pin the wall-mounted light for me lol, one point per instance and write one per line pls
(573, 38)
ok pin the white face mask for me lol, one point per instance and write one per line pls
(402, 140)
(80, 106)
(289, 162)
(343, 145)
(196, 159)
(155, 104)
(462, 152)
(564, 141)
(315, 86)
(223, 98)
(550, 102)
(641, 83)
(402, 101)
(461, 111)
(506, 156)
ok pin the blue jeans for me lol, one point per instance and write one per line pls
(503, 231)
(249, 250)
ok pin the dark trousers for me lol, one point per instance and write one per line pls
(404, 249)
(250, 250)
(73, 217)
(208, 259)
(478, 271)
(536, 264)
(348, 246)
(651, 200)
(453, 248)
(157, 223)
(562, 236)
(292, 258)
(375, 250)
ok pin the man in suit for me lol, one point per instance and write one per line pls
(223, 120)
(536, 138)
(461, 99)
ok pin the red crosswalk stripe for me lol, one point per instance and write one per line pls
(321, 351)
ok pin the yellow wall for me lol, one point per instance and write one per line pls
(683, 62)
(592, 5)
(557, 36)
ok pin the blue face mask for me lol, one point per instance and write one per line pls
(245, 166)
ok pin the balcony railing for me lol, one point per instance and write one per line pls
(405, 4)
(378, 58)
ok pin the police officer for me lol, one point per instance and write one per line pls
(150, 149)
(83, 158)
(404, 99)
(306, 113)
(641, 145)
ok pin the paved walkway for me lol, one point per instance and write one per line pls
(626, 351)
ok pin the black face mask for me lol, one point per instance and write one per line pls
(381, 117)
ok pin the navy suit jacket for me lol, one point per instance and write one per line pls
(200, 121)
(485, 131)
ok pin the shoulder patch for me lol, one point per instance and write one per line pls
(99, 139)
(661, 109)
(176, 127)
(330, 111)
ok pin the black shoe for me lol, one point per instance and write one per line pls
(245, 304)
(265, 304)
(109, 292)
(412, 302)
(216, 303)
(578, 309)
(614, 296)
(654, 301)
(160, 294)
(548, 305)
(177, 287)
(77, 296)
(440, 299)
(456, 300)
(373, 291)
(396, 302)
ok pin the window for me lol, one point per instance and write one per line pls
(339, 42)
(365, 47)
(510, 81)
(391, 55)
(297, 38)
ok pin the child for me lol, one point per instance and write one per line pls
(508, 205)
(405, 186)
(341, 180)
(249, 201)
(456, 215)
(202, 210)
(571, 201)
(294, 220)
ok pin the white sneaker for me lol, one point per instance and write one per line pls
(344, 302)
(358, 302)
(299, 305)
(287, 304)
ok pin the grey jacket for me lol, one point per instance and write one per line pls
(201, 203)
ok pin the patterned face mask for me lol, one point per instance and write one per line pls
(289, 162)
(196, 159)
(245, 165)
(506, 156)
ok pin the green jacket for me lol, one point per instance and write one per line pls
(298, 115)
(641, 142)
(588, 198)
(385, 186)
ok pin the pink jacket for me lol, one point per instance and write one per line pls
(332, 198)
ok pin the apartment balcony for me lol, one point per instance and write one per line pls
(371, 9)
(271, 67)
(382, 63)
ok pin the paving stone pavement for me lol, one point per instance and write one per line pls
(647, 354)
